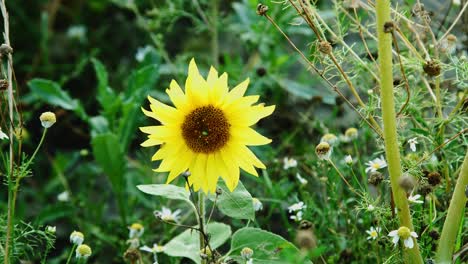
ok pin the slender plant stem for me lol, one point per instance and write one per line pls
(71, 254)
(454, 217)
(390, 131)
(6, 35)
(201, 216)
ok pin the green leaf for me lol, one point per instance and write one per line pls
(187, 244)
(51, 93)
(168, 191)
(268, 248)
(237, 204)
(99, 125)
(109, 155)
(105, 95)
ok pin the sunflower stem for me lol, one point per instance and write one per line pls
(389, 124)
(454, 217)
(201, 222)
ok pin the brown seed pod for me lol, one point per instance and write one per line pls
(432, 68)
(375, 178)
(325, 47)
(261, 9)
(434, 178)
(388, 27)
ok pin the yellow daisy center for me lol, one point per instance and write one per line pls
(205, 129)
(404, 232)
(376, 166)
(373, 233)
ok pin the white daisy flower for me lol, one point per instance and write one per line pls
(415, 199)
(297, 207)
(63, 196)
(404, 234)
(289, 163)
(300, 179)
(135, 230)
(348, 159)
(155, 249)
(297, 217)
(413, 142)
(370, 208)
(257, 204)
(142, 52)
(373, 233)
(51, 229)
(167, 215)
(376, 164)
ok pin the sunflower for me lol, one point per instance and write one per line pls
(207, 131)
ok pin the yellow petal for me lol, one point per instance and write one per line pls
(176, 95)
(248, 136)
(232, 177)
(239, 90)
(151, 142)
(250, 115)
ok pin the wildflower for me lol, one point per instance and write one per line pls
(63, 196)
(142, 52)
(373, 233)
(257, 205)
(76, 237)
(297, 217)
(289, 163)
(83, 251)
(329, 138)
(415, 199)
(155, 249)
(3, 135)
(51, 229)
(348, 159)
(370, 208)
(77, 32)
(351, 133)
(167, 215)
(208, 130)
(47, 119)
(323, 150)
(376, 164)
(413, 142)
(247, 253)
(300, 179)
(405, 234)
(297, 207)
(136, 230)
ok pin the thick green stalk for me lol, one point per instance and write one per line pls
(454, 217)
(392, 150)
(201, 222)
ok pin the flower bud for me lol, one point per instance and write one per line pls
(47, 119)
(83, 251)
(323, 150)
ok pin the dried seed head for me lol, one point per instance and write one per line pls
(388, 27)
(219, 191)
(325, 47)
(261, 71)
(425, 189)
(261, 9)
(407, 182)
(323, 150)
(375, 178)
(432, 68)
(434, 234)
(132, 255)
(305, 225)
(434, 178)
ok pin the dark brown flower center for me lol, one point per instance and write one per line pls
(205, 129)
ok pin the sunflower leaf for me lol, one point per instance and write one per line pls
(237, 204)
(168, 191)
(187, 244)
(268, 248)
